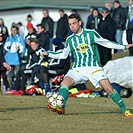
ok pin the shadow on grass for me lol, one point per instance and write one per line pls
(24, 108)
(97, 112)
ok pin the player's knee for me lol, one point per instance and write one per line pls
(110, 90)
(63, 83)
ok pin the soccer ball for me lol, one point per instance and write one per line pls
(56, 101)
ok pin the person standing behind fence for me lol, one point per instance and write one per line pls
(15, 50)
(48, 22)
(118, 14)
(62, 26)
(129, 24)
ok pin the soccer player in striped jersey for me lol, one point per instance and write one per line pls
(86, 65)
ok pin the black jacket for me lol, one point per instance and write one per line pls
(107, 28)
(2, 60)
(36, 58)
(92, 22)
(4, 32)
(49, 25)
(43, 39)
(62, 28)
(120, 17)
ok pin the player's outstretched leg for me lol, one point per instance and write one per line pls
(115, 96)
(63, 91)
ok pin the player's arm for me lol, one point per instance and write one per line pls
(109, 44)
(63, 54)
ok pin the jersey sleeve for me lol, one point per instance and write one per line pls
(62, 54)
(106, 43)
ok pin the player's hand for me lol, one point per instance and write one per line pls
(44, 54)
(129, 45)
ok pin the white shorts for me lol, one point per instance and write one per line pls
(84, 74)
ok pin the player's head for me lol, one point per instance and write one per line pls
(75, 22)
(34, 44)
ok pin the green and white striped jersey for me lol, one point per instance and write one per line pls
(83, 47)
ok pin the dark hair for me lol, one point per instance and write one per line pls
(74, 15)
(46, 10)
(34, 40)
(116, 1)
(29, 16)
(41, 25)
(74, 10)
(61, 10)
(19, 23)
(14, 27)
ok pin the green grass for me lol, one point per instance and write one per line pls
(29, 114)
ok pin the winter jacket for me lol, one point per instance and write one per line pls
(2, 60)
(49, 25)
(15, 49)
(43, 39)
(107, 28)
(92, 22)
(62, 28)
(36, 58)
(120, 18)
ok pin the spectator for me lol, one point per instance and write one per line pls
(15, 50)
(31, 34)
(34, 61)
(32, 21)
(129, 24)
(13, 24)
(107, 29)
(48, 22)
(3, 30)
(90, 15)
(93, 22)
(118, 15)
(4, 66)
(108, 6)
(62, 26)
(43, 36)
(21, 29)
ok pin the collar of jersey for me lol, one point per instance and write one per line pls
(79, 33)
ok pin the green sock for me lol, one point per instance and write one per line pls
(118, 100)
(64, 92)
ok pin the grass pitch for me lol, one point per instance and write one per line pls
(29, 114)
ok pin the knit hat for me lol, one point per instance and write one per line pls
(29, 25)
(57, 41)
